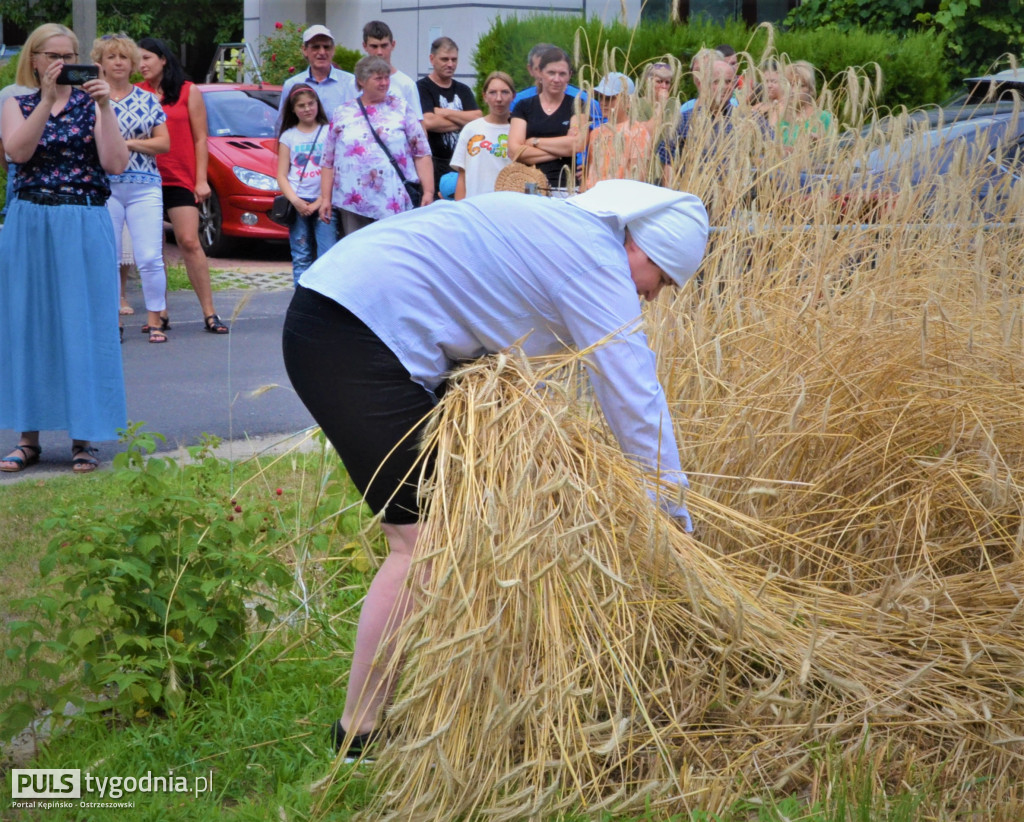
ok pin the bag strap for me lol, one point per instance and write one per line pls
(519, 153)
(380, 142)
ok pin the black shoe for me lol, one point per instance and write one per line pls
(357, 746)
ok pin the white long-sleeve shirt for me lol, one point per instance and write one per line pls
(459, 280)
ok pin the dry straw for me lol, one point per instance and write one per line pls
(846, 388)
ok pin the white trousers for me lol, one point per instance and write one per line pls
(141, 208)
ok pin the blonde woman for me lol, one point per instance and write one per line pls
(58, 264)
(791, 103)
(136, 197)
(803, 116)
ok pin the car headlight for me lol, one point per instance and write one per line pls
(253, 179)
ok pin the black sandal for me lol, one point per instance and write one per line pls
(25, 460)
(83, 459)
(357, 747)
(215, 325)
(165, 325)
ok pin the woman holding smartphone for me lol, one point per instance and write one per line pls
(58, 267)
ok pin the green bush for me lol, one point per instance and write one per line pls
(147, 604)
(972, 35)
(281, 53)
(911, 75)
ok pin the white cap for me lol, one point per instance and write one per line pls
(316, 31)
(613, 84)
(671, 227)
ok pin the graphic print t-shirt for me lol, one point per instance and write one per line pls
(457, 96)
(302, 147)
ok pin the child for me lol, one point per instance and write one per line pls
(300, 147)
(482, 150)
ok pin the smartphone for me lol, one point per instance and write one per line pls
(74, 75)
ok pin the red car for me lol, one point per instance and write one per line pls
(243, 166)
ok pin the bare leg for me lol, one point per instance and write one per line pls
(125, 307)
(387, 604)
(185, 222)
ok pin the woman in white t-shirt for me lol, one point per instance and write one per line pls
(482, 150)
(300, 149)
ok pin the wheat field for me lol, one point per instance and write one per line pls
(846, 385)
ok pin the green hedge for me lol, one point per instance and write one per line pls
(912, 74)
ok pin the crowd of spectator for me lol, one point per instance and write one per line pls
(354, 148)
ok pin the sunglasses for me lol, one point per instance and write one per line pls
(119, 36)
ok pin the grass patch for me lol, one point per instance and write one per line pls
(177, 279)
(258, 734)
(255, 740)
(259, 740)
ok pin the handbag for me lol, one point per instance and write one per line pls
(414, 188)
(516, 176)
(282, 211)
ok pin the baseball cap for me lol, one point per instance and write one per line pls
(614, 84)
(316, 31)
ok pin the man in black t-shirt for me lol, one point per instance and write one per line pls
(447, 104)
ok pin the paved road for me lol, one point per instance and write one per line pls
(199, 382)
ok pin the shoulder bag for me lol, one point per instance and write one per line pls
(413, 189)
(282, 211)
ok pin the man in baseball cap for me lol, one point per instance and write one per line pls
(333, 85)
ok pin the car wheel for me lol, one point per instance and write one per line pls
(211, 228)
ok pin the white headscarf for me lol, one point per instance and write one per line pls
(671, 227)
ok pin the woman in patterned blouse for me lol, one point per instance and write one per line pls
(357, 177)
(58, 267)
(136, 199)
